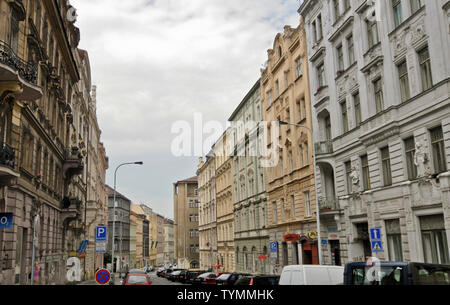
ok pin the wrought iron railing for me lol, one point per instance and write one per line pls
(329, 203)
(325, 147)
(7, 155)
(26, 70)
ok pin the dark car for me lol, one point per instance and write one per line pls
(206, 278)
(258, 280)
(396, 273)
(137, 279)
(192, 275)
(229, 278)
(174, 275)
(183, 276)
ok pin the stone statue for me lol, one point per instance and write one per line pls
(421, 160)
(354, 174)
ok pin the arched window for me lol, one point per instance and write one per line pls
(254, 259)
(245, 258)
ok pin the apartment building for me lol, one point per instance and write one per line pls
(380, 83)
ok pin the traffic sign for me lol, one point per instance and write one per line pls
(274, 246)
(375, 234)
(100, 247)
(100, 233)
(102, 277)
(6, 220)
(377, 246)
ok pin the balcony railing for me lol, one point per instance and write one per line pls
(26, 70)
(325, 147)
(7, 155)
(331, 204)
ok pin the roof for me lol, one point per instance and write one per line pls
(245, 99)
(110, 192)
(189, 180)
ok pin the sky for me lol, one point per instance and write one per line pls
(156, 62)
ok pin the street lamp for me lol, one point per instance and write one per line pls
(114, 213)
(319, 241)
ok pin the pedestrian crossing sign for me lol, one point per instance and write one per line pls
(377, 246)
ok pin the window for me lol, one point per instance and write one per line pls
(365, 172)
(291, 161)
(288, 114)
(386, 162)
(302, 161)
(299, 109)
(195, 192)
(438, 147)
(378, 88)
(357, 104)
(351, 50)
(394, 240)
(372, 33)
(274, 210)
(280, 52)
(321, 75)
(404, 81)
(348, 172)
(314, 31)
(337, 13)
(397, 9)
(298, 64)
(286, 79)
(303, 108)
(425, 69)
(306, 158)
(319, 26)
(340, 58)
(269, 98)
(307, 204)
(277, 87)
(410, 150)
(14, 33)
(344, 116)
(434, 239)
(293, 206)
(415, 5)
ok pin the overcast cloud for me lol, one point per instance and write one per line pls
(159, 61)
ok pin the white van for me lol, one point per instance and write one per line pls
(312, 275)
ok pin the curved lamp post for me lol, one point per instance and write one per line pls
(114, 212)
(319, 241)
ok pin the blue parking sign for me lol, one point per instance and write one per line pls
(100, 233)
(274, 246)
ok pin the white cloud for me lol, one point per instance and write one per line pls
(156, 62)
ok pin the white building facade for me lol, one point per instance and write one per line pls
(380, 83)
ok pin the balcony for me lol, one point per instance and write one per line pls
(71, 209)
(325, 147)
(7, 161)
(328, 204)
(73, 163)
(14, 69)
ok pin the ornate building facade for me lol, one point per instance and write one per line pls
(290, 184)
(251, 235)
(380, 77)
(44, 140)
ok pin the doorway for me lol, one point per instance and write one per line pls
(335, 252)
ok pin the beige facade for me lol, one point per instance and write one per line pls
(138, 217)
(169, 249)
(133, 243)
(186, 221)
(290, 185)
(207, 229)
(225, 204)
(45, 94)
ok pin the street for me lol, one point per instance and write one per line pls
(158, 281)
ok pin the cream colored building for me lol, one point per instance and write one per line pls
(207, 229)
(290, 185)
(186, 221)
(133, 243)
(225, 205)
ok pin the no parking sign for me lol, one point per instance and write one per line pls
(102, 277)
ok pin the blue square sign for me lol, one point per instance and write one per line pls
(100, 233)
(375, 234)
(6, 220)
(377, 246)
(274, 246)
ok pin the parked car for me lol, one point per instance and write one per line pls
(174, 276)
(192, 275)
(229, 278)
(183, 276)
(312, 275)
(258, 280)
(134, 271)
(137, 279)
(396, 273)
(208, 278)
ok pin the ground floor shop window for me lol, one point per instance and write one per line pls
(434, 239)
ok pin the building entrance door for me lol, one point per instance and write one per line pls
(335, 252)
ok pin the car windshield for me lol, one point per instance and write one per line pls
(176, 272)
(203, 275)
(224, 277)
(367, 275)
(137, 279)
